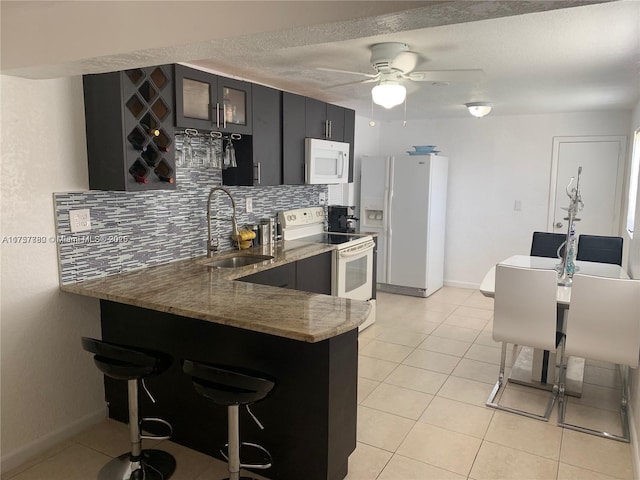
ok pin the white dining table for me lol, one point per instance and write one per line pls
(532, 366)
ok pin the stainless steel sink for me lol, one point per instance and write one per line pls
(238, 260)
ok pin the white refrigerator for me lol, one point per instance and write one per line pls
(403, 199)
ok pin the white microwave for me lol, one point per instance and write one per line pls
(326, 161)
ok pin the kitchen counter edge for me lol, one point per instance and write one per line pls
(192, 289)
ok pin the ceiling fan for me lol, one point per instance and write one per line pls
(394, 64)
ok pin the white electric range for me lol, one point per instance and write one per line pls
(352, 268)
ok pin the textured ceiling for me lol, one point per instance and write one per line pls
(536, 56)
(560, 60)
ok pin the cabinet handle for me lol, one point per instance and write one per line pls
(258, 179)
(330, 133)
(326, 129)
(217, 115)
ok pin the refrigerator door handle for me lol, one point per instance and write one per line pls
(387, 215)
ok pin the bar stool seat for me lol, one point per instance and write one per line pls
(134, 364)
(231, 387)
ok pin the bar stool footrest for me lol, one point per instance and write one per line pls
(150, 436)
(265, 461)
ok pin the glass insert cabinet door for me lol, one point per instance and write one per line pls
(234, 100)
(235, 106)
(210, 102)
(197, 99)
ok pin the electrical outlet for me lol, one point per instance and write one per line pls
(79, 220)
(323, 198)
(249, 205)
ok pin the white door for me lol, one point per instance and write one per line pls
(602, 162)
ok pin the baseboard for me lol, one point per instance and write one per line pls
(453, 283)
(635, 448)
(25, 453)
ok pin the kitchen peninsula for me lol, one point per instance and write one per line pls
(307, 341)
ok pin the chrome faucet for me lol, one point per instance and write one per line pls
(211, 247)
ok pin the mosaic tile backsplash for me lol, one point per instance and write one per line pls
(131, 230)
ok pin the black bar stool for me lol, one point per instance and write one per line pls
(132, 364)
(232, 387)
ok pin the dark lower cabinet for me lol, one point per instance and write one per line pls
(283, 276)
(309, 418)
(312, 274)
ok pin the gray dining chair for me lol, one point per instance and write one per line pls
(603, 324)
(600, 248)
(525, 314)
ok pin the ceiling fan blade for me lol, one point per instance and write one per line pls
(369, 80)
(405, 61)
(324, 69)
(473, 75)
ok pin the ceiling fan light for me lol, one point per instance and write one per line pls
(479, 109)
(388, 95)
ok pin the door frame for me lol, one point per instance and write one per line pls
(622, 147)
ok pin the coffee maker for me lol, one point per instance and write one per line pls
(342, 219)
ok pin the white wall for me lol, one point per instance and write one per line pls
(493, 162)
(634, 247)
(49, 385)
(634, 272)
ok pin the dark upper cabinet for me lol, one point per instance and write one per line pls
(130, 121)
(196, 94)
(210, 102)
(129, 126)
(349, 136)
(323, 120)
(293, 134)
(335, 122)
(315, 118)
(267, 135)
(259, 157)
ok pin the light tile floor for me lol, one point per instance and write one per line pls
(426, 369)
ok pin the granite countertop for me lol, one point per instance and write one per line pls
(192, 289)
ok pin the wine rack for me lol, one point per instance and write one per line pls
(130, 132)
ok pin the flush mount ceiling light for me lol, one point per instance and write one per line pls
(479, 109)
(388, 94)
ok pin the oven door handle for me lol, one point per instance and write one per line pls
(356, 250)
